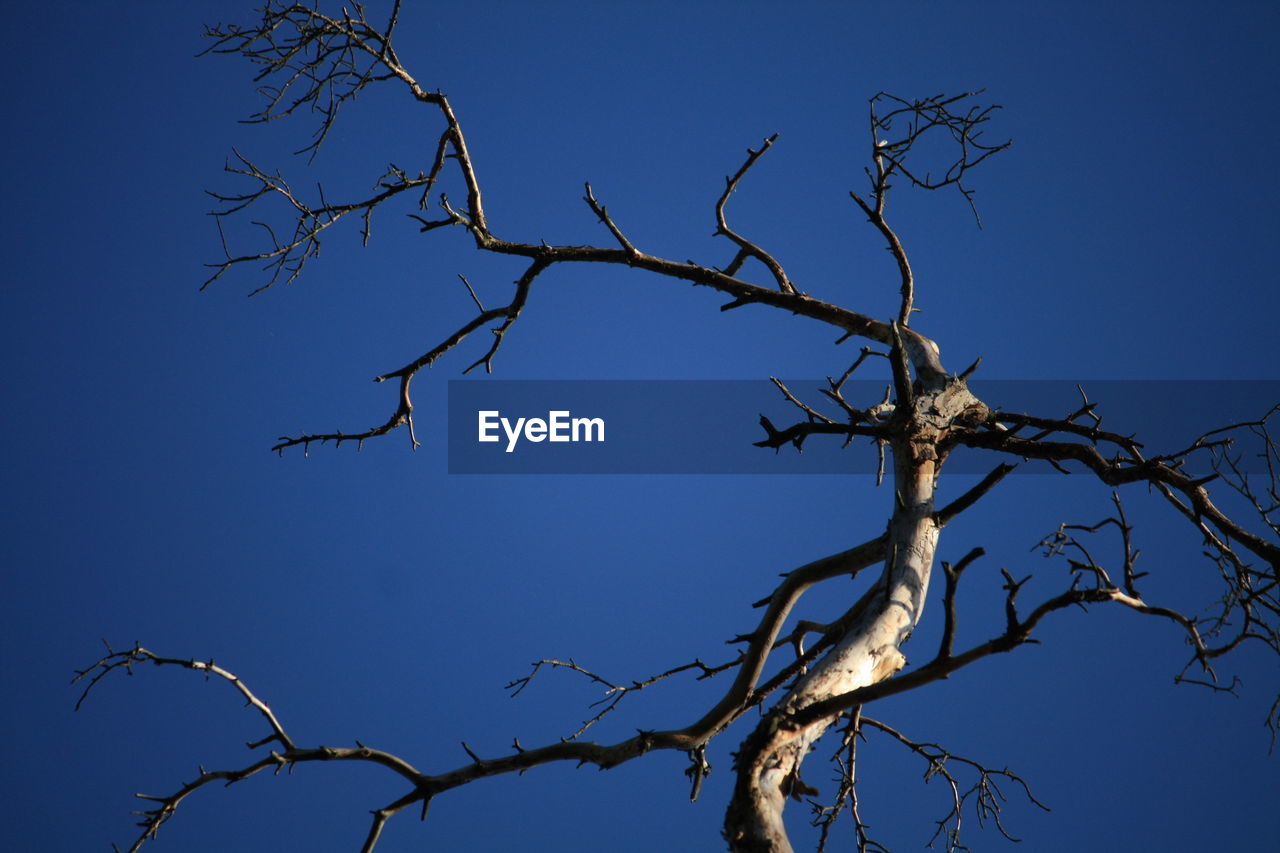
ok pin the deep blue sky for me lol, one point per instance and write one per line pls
(1130, 233)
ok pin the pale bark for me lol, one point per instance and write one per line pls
(769, 763)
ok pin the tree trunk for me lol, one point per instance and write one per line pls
(768, 763)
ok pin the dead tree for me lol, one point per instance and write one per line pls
(316, 61)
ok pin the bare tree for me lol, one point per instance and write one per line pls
(314, 61)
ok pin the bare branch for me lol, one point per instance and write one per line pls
(288, 754)
(952, 574)
(308, 60)
(1120, 471)
(614, 693)
(747, 249)
(603, 214)
(889, 154)
(988, 799)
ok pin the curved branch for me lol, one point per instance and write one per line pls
(1119, 471)
(403, 415)
(747, 249)
(1018, 633)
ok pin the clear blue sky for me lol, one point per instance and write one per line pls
(1130, 233)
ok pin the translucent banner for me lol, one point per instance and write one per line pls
(711, 426)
